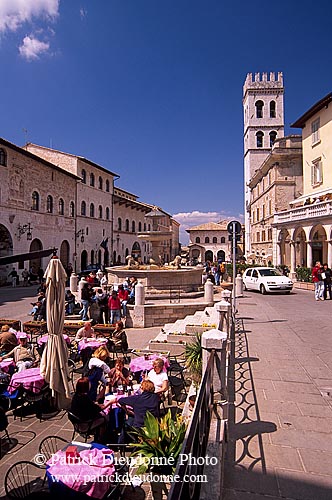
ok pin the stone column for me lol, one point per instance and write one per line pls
(278, 254)
(292, 273)
(73, 282)
(238, 286)
(80, 286)
(216, 339)
(139, 294)
(138, 317)
(208, 292)
(329, 253)
(309, 254)
(223, 307)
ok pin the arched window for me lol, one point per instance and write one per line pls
(35, 201)
(259, 109)
(100, 183)
(84, 176)
(139, 227)
(92, 257)
(222, 240)
(3, 157)
(198, 239)
(273, 136)
(133, 227)
(272, 109)
(72, 209)
(83, 208)
(127, 225)
(92, 179)
(119, 224)
(92, 210)
(259, 139)
(107, 186)
(214, 240)
(107, 213)
(49, 204)
(207, 239)
(144, 226)
(61, 207)
(149, 227)
(100, 212)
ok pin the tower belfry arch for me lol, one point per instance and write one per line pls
(263, 111)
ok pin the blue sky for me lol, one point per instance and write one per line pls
(152, 89)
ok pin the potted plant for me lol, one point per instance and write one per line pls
(194, 356)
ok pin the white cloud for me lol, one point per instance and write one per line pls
(14, 13)
(195, 218)
(32, 48)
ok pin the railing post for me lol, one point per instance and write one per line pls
(216, 339)
(208, 292)
(139, 311)
(223, 308)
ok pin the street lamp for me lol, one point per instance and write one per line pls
(26, 228)
(78, 233)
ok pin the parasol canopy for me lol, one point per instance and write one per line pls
(54, 362)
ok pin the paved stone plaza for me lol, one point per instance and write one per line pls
(280, 415)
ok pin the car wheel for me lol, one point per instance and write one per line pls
(287, 293)
(262, 289)
(244, 287)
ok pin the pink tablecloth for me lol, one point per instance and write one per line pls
(94, 344)
(140, 363)
(92, 474)
(6, 364)
(31, 380)
(43, 339)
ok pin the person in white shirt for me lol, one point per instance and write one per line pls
(158, 376)
(98, 361)
(86, 332)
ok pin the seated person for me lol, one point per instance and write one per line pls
(119, 341)
(85, 409)
(98, 360)
(8, 340)
(148, 400)
(85, 332)
(158, 376)
(70, 300)
(119, 375)
(25, 356)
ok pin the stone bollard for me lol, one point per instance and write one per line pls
(81, 283)
(238, 286)
(139, 294)
(226, 295)
(208, 292)
(73, 282)
(216, 339)
(223, 307)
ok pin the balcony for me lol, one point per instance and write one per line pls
(315, 211)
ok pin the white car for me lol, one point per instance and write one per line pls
(266, 279)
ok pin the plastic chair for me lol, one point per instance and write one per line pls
(71, 370)
(178, 388)
(50, 445)
(25, 480)
(84, 428)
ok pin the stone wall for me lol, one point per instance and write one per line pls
(159, 314)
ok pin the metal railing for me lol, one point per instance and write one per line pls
(196, 441)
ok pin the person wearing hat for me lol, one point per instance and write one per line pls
(25, 356)
(8, 340)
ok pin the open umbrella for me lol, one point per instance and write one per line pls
(54, 362)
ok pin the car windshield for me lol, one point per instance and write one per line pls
(269, 272)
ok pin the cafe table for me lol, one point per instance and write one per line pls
(90, 472)
(42, 340)
(145, 362)
(30, 379)
(7, 364)
(91, 343)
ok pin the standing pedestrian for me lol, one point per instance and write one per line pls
(13, 274)
(326, 275)
(25, 276)
(114, 306)
(318, 281)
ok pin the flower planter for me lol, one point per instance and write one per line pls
(35, 327)
(13, 323)
(180, 337)
(174, 348)
(193, 329)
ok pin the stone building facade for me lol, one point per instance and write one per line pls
(273, 185)
(263, 110)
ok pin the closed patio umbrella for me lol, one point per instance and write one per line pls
(54, 362)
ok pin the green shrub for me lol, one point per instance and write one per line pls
(304, 274)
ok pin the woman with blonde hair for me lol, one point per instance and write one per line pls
(98, 360)
(158, 376)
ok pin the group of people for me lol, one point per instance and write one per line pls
(102, 307)
(322, 279)
(25, 355)
(117, 342)
(33, 276)
(215, 272)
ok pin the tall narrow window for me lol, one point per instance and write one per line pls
(100, 183)
(315, 131)
(127, 225)
(272, 109)
(133, 227)
(198, 239)
(35, 201)
(3, 157)
(214, 240)
(259, 139)
(92, 179)
(273, 136)
(259, 109)
(83, 208)
(72, 209)
(139, 227)
(107, 213)
(49, 204)
(316, 172)
(84, 176)
(207, 239)
(107, 186)
(92, 210)
(144, 226)
(100, 212)
(119, 224)
(222, 240)
(61, 207)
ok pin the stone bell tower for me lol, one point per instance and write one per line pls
(263, 111)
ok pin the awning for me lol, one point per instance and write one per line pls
(22, 257)
(317, 194)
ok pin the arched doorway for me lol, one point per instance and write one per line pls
(209, 256)
(114, 256)
(84, 260)
(35, 263)
(319, 245)
(285, 258)
(300, 248)
(92, 259)
(6, 249)
(106, 257)
(136, 250)
(221, 255)
(64, 253)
